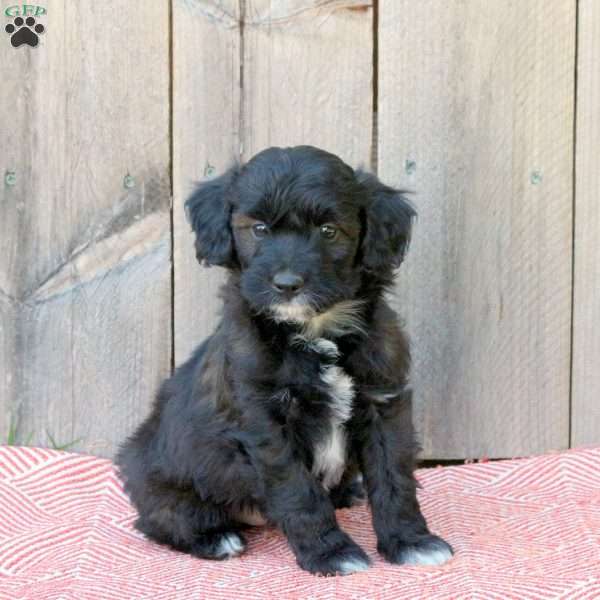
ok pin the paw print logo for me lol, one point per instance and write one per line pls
(24, 31)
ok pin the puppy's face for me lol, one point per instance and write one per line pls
(302, 228)
(297, 234)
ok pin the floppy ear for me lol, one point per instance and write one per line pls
(208, 211)
(389, 218)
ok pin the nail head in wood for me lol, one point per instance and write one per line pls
(536, 177)
(128, 182)
(10, 178)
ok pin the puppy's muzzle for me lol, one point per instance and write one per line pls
(287, 283)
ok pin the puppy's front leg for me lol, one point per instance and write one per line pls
(299, 505)
(387, 460)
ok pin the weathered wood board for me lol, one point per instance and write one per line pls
(586, 325)
(308, 76)
(206, 140)
(85, 272)
(476, 116)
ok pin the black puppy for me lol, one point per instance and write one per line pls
(303, 384)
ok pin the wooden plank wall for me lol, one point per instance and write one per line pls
(586, 324)
(100, 292)
(308, 69)
(476, 115)
(206, 140)
(85, 270)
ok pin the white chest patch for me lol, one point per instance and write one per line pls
(330, 453)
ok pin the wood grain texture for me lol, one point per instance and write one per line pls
(308, 70)
(586, 323)
(206, 140)
(476, 116)
(85, 267)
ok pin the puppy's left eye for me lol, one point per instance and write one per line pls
(260, 230)
(328, 231)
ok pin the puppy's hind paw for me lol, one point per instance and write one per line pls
(427, 550)
(218, 546)
(345, 560)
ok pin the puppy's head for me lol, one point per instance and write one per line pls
(303, 229)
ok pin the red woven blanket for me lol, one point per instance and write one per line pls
(521, 529)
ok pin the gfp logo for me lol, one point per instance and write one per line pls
(24, 28)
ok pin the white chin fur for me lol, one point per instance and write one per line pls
(295, 311)
(416, 556)
(339, 319)
(230, 545)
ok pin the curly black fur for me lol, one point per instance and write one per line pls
(302, 387)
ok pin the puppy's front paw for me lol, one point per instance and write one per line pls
(426, 550)
(326, 349)
(218, 546)
(341, 559)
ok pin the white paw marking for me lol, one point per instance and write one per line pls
(230, 545)
(434, 556)
(352, 565)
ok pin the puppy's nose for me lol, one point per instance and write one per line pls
(286, 281)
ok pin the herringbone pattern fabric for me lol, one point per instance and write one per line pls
(521, 528)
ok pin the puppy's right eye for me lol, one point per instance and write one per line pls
(260, 230)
